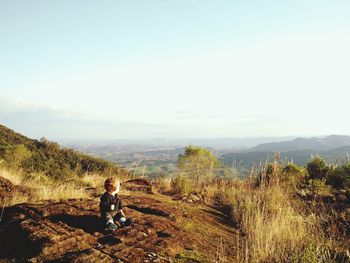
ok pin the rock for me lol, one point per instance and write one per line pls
(140, 185)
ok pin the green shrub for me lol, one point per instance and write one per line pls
(293, 174)
(317, 168)
(340, 177)
(16, 156)
(292, 168)
(181, 184)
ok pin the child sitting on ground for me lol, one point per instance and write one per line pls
(111, 206)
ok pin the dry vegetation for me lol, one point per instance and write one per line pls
(272, 229)
(36, 187)
(40, 187)
(276, 220)
(274, 214)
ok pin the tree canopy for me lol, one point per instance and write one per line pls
(197, 162)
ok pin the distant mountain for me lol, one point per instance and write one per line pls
(50, 158)
(334, 149)
(316, 144)
(221, 143)
(245, 160)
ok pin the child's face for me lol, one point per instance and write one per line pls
(111, 188)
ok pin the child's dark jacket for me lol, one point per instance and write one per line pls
(107, 200)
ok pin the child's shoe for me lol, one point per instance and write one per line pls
(112, 226)
(126, 222)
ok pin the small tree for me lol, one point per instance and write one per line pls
(340, 177)
(317, 168)
(197, 162)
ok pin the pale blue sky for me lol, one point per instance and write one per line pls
(172, 69)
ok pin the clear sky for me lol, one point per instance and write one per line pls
(172, 69)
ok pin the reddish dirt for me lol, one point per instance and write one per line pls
(71, 231)
(7, 189)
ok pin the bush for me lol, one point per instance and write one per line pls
(317, 168)
(17, 156)
(292, 168)
(340, 177)
(181, 185)
(293, 174)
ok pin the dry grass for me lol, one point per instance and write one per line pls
(60, 191)
(272, 229)
(15, 177)
(42, 188)
(93, 180)
(162, 185)
(272, 225)
(16, 198)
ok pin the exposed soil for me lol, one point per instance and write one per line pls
(7, 189)
(164, 230)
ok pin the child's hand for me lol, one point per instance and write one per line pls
(112, 207)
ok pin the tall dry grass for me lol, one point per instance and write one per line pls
(272, 227)
(93, 180)
(40, 188)
(270, 218)
(162, 185)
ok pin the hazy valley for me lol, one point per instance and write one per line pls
(158, 157)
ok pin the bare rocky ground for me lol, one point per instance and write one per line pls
(165, 230)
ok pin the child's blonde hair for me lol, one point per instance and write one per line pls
(112, 185)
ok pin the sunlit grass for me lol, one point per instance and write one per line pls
(40, 187)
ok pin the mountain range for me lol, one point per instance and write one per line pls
(318, 144)
(333, 148)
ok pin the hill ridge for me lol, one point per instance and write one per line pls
(50, 158)
(314, 143)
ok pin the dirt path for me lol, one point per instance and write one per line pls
(70, 231)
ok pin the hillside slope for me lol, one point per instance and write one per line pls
(165, 230)
(50, 158)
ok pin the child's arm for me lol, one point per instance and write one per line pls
(104, 204)
(120, 207)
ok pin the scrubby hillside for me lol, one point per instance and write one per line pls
(48, 157)
(282, 213)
